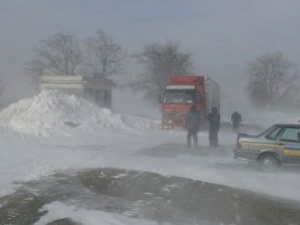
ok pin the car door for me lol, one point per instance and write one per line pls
(288, 145)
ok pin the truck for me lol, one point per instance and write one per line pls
(183, 91)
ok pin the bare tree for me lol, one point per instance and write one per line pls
(60, 54)
(269, 75)
(104, 55)
(160, 61)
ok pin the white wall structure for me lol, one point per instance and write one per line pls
(94, 89)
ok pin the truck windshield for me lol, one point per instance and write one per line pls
(179, 96)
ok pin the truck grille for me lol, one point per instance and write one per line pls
(173, 120)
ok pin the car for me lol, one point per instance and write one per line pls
(278, 145)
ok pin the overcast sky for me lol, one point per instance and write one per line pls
(223, 35)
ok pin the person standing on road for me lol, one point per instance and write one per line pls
(236, 119)
(214, 127)
(192, 123)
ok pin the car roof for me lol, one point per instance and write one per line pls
(287, 125)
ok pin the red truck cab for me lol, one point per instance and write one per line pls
(183, 91)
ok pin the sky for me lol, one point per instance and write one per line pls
(223, 36)
(35, 144)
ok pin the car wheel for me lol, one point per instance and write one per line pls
(269, 162)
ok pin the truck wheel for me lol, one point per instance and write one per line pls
(268, 162)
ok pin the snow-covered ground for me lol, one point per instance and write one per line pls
(54, 132)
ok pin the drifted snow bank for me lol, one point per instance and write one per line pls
(53, 111)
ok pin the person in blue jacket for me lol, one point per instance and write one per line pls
(192, 123)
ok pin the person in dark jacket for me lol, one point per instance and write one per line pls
(192, 123)
(236, 119)
(214, 126)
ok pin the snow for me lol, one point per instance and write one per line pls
(58, 210)
(51, 111)
(36, 141)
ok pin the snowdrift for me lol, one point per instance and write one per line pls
(55, 111)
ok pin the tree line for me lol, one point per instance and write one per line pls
(270, 76)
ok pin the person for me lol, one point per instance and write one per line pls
(192, 123)
(214, 127)
(236, 119)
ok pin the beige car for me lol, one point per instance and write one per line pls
(280, 144)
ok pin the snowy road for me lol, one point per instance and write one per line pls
(151, 159)
(165, 153)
